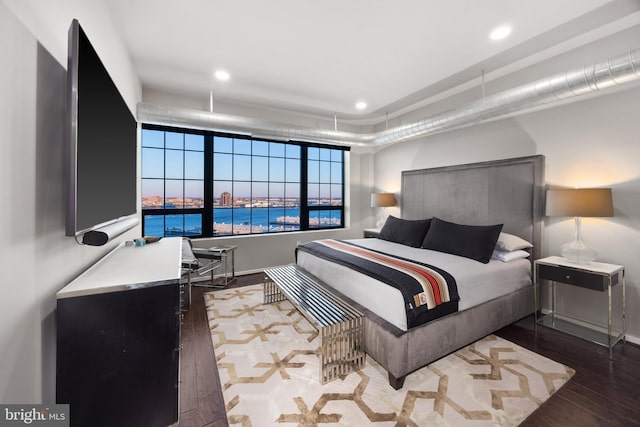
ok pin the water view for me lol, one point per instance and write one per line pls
(227, 221)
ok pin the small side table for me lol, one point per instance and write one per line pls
(597, 276)
(370, 232)
(226, 255)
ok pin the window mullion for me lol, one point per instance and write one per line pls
(304, 193)
(207, 214)
(164, 182)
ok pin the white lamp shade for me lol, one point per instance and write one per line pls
(582, 202)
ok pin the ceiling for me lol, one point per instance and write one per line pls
(321, 57)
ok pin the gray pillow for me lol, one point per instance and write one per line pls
(405, 231)
(476, 242)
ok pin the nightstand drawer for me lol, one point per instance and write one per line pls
(574, 277)
(370, 233)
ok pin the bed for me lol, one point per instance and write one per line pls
(491, 295)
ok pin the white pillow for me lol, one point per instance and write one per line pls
(506, 256)
(508, 242)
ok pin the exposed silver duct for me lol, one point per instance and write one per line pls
(149, 113)
(590, 78)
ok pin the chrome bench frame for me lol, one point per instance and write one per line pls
(341, 327)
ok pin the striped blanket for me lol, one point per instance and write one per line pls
(429, 292)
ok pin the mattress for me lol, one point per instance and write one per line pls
(477, 282)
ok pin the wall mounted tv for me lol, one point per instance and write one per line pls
(102, 148)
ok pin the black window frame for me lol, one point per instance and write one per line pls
(207, 210)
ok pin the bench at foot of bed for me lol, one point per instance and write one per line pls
(341, 327)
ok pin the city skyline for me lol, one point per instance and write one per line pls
(156, 201)
(195, 188)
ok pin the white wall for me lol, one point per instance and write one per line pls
(36, 258)
(590, 142)
(49, 21)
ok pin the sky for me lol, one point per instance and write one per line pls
(273, 167)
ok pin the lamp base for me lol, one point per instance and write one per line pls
(578, 252)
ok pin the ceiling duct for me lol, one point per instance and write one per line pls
(590, 78)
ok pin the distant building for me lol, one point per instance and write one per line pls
(225, 199)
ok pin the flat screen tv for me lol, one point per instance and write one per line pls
(102, 149)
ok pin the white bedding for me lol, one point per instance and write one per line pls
(476, 282)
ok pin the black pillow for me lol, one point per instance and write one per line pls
(470, 241)
(405, 231)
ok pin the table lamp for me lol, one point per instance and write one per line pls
(579, 203)
(382, 200)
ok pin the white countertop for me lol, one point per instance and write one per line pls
(596, 267)
(130, 267)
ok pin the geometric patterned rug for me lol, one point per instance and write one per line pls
(268, 364)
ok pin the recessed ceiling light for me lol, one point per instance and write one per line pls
(361, 105)
(222, 75)
(500, 32)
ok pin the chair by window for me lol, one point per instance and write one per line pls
(194, 266)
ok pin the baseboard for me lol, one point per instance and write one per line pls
(633, 340)
(207, 277)
(254, 271)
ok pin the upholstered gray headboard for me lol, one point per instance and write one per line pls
(508, 192)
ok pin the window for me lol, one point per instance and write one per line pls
(172, 183)
(324, 182)
(206, 184)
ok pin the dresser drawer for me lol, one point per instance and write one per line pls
(584, 279)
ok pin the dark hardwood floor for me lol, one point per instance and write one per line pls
(201, 401)
(603, 392)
